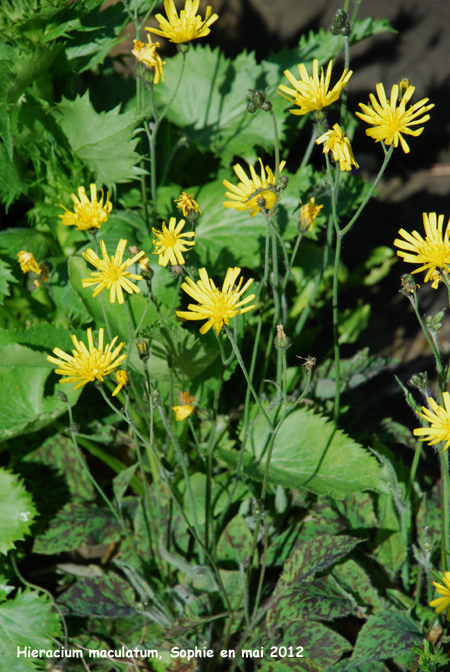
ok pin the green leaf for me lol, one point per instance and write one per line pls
(107, 596)
(321, 645)
(5, 278)
(23, 406)
(12, 241)
(58, 453)
(321, 600)
(385, 635)
(12, 184)
(122, 481)
(26, 621)
(17, 509)
(353, 321)
(299, 665)
(354, 579)
(391, 550)
(105, 142)
(210, 106)
(235, 542)
(77, 526)
(219, 497)
(323, 460)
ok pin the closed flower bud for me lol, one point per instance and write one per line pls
(251, 107)
(409, 285)
(142, 347)
(340, 24)
(261, 202)
(176, 271)
(403, 86)
(282, 183)
(61, 396)
(434, 322)
(420, 382)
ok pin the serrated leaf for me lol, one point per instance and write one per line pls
(309, 452)
(385, 635)
(76, 526)
(5, 278)
(17, 511)
(189, 355)
(12, 184)
(107, 596)
(354, 579)
(105, 142)
(321, 645)
(26, 621)
(12, 241)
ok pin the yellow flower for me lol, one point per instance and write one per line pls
(311, 93)
(186, 203)
(390, 121)
(146, 54)
(112, 273)
(187, 26)
(440, 423)
(442, 603)
(122, 380)
(89, 214)
(308, 214)
(215, 305)
(185, 409)
(246, 187)
(433, 252)
(340, 147)
(28, 262)
(86, 366)
(170, 244)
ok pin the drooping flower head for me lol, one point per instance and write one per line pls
(187, 26)
(311, 93)
(246, 187)
(215, 305)
(308, 214)
(439, 418)
(147, 54)
(112, 272)
(432, 253)
(122, 380)
(185, 408)
(84, 365)
(186, 203)
(442, 603)
(337, 142)
(28, 262)
(88, 214)
(391, 119)
(170, 242)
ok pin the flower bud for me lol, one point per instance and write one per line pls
(176, 271)
(403, 86)
(282, 183)
(420, 382)
(408, 284)
(434, 322)
(183, 48)
(340, 24)
(251, 107)
(261, 202)
(61, 397)
(143, 352)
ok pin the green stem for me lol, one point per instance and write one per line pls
(439, 365)
(344, 92)
(247, 378)
(309, 149)
(445, 510)
(337, 354)
(277, 146)
(102, 303)
(412, 473)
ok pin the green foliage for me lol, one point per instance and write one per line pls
(385, 635)
(325, 461)
(18, 511)
(108, 596)
(105, 142)
(26, 621)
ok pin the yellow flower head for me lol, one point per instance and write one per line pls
(337, 142)
(186, 203)
(88, 214)
(432, 253)
(112, 272)
(308, 214)
(215, 305)
(28, 262)
(122, 381)
(146, 54)
(442, 603)
(390, 121)
(440, 422)
(311, 93)
(169, 242)
(85, 365)
(187, 26)
(246, 187)
(185, 409)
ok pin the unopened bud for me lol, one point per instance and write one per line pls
(142, 347)
(261, 202)
(251, 108)
(434, 322)
(267, 106)
(176, 271)
(403, 86)
(281, 341)
(408, 284)
(340, 24)
(420, 382)
(61, 396)
(282, 183)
